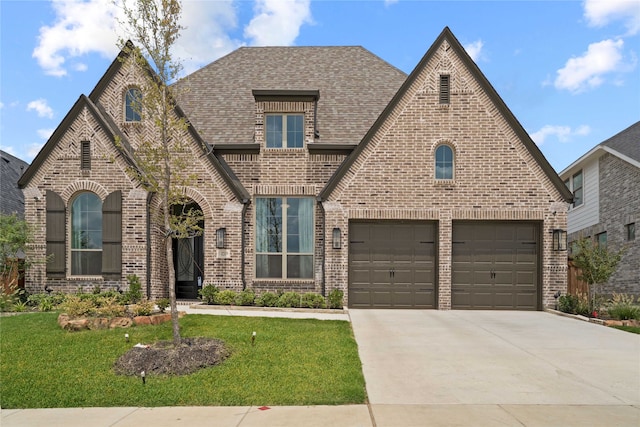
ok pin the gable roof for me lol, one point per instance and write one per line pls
(11, 168)
(352, 85)
(471, 66)
(106, 124)
(624, 145)
(109, 125)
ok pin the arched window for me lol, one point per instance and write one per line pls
(444, 162)
(133, 105)
(86, 235)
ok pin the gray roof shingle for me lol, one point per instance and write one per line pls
(11, 197)
(354, 86)
(626, 142)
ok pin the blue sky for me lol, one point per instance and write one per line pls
(567, 69)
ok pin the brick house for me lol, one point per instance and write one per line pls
(319, 168)
(606, 208)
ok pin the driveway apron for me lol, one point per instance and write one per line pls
(430, 357)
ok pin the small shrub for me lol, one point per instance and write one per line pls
(246, 297)
(134, 294)
(96, 290)
(335, 298)
(110, 307)
(289, 300)
(311, 300)
(226, 297)
(574, 304)
(208, 294)
(162, 304)
(20, 306)
(267, 299)
(75, 306)
(622, 307)
(143, 308)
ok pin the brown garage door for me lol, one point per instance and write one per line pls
(392, 264)
(495, 265)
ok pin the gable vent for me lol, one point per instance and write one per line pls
(444, 89)
(85, 155)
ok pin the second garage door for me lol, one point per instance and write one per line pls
(392, 264)
(495, 265)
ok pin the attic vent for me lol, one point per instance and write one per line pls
(85, 155)
(444, 89)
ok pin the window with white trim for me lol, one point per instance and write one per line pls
(86, 235)
(284, 237)
(284, 130)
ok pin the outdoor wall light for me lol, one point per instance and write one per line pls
(559, 242)
(337, 238)
(220, 236)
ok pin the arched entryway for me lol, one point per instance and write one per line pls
(188, 261)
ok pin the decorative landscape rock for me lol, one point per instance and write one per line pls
(92, 323)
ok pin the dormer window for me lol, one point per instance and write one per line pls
(133, 105)
(285, 130)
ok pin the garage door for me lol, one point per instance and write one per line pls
(392, 264)
(495, 265)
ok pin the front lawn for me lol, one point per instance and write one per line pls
(293, 362)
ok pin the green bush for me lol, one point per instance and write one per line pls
(335, 298)
(134, 294)
(226, 297)
(208, 294)
(162, 304)
(109, 306)
(267, 299)
(76, 307)
(246, 297)
(46, 302)
(623, 307)
(574, 304)
(143, 308)
(311, 300)
(289, 299)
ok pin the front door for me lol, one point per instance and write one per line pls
(188, 262)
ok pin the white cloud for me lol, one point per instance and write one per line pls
(601, 12)
(33, 150)
(562, 133)
(45, 134)
(587, 71)
(9, 149)
(205, 37)
(80, 27)
(41, 107)
(277, 22)
(474, 49)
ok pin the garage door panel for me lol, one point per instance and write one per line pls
(499, 272)
(400, 258)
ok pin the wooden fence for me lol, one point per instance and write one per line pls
(575, 286)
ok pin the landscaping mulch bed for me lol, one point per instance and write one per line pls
(163, 358)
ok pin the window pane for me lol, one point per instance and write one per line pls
(300, 266)
(274, 131)
(577, 197)
(295, 133)
(86, 263)
(86, 222)
(269, 225)
(269, 266)
(133, 105)
(631, 231)
(444, 162)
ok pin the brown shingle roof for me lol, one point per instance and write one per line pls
(354, 87)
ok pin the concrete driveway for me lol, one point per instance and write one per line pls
(514, 368)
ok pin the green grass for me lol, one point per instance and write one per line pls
(293, 362)
(632, 329)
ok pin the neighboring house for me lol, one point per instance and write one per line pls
(320, 168)
(606, 208)
(11, 197)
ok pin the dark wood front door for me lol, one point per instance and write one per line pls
(188, 261)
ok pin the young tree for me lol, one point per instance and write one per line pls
(15, 234)
(596, 262)
(160, 156)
